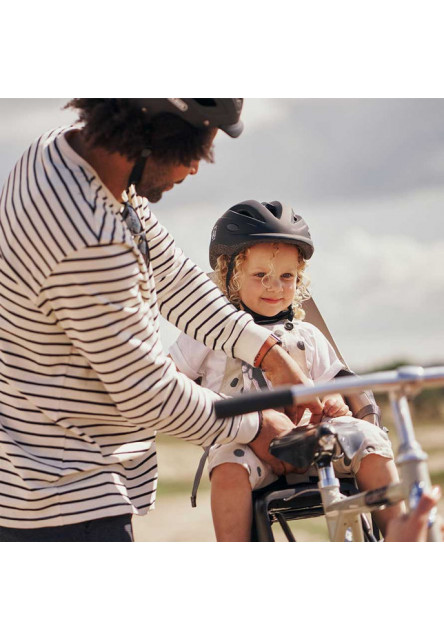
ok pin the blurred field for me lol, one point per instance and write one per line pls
(174, 520)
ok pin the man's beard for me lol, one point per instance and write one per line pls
(153, 194)
(152, 186)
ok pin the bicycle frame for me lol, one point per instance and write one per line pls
(343, 513)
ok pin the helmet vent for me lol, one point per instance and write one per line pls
(275, 209)
(206, 102)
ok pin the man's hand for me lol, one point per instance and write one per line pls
(281, 369)
(413, 527)
(274, 425)
(334, 406)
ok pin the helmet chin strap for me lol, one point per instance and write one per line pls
(137, 170)
(286, 314)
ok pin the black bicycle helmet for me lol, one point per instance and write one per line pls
(222, 113)
(250, 222)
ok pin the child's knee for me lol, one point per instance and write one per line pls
(229, 475)
(376, 470)
(376, 461)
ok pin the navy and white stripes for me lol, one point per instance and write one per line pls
(84, 381)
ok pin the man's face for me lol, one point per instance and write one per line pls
(159, 177)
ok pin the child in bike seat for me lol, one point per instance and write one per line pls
(259, 252)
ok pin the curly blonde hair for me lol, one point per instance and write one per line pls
(233, 292)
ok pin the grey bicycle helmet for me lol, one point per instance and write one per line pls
(222, 113)
(250, 222)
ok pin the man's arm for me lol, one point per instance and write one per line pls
(193, 303)
(110, 320)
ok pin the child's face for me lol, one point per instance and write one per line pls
(268, 278)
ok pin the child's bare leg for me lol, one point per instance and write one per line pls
(376, 471)
(231, 503)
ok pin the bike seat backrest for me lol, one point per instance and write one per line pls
(363, 405)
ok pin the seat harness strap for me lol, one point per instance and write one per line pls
(198, 476)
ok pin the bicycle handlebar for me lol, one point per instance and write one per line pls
(409, 380)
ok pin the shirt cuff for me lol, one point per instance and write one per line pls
(248, 428)
(181, 363)
(250, 341)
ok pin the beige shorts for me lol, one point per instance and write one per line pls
(374, 440)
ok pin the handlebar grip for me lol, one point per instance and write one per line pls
(253, 402)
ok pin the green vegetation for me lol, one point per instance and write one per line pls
(427, 407)
(437, 477)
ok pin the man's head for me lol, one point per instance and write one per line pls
(166, 138)
(160, 175)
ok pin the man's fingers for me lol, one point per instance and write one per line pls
(427, 502)
(316, 418)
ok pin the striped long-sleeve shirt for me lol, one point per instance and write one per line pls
(84, 381)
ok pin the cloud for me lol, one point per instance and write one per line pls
(382, 298)
(398, 268)
(259, 114)
(21, 121)
(333, 150)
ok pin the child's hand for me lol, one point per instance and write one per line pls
(334, 406)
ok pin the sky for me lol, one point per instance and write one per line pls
(367, 176)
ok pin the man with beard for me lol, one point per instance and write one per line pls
(86, 269)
